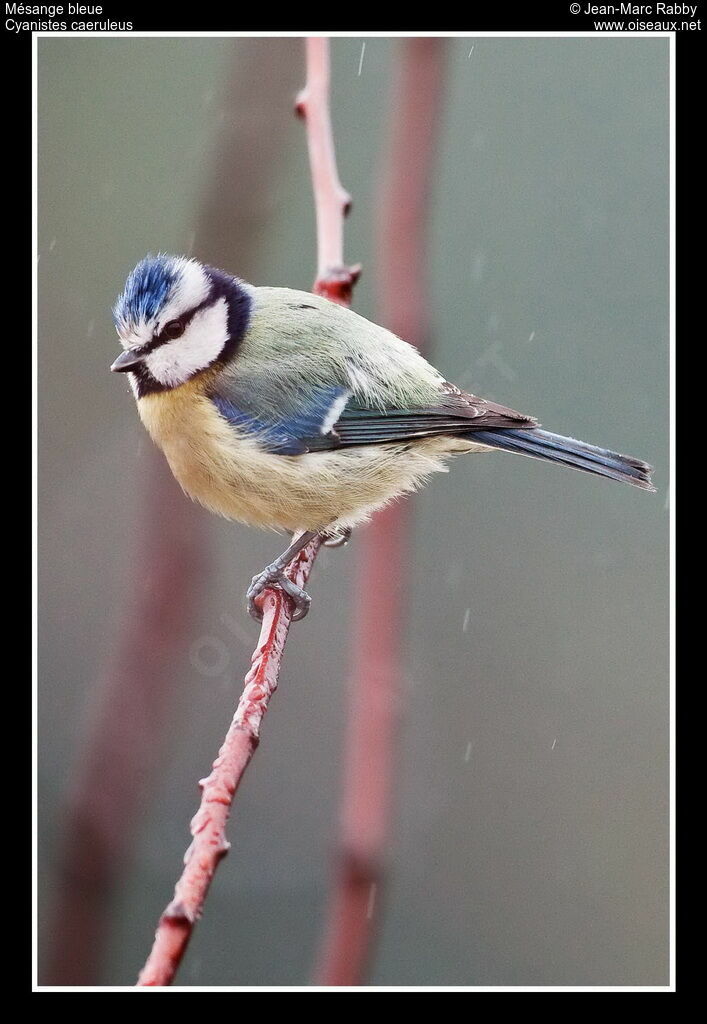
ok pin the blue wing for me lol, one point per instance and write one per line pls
(330, 418)
(298, 431)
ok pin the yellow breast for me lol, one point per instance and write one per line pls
(214, 463)
(223, 469)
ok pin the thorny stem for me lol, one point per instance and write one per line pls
(332, 202)
(208, 827)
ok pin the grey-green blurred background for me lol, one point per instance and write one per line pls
(531, 835)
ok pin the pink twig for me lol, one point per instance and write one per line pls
(334, 280)
(383, 567)
(208, 826)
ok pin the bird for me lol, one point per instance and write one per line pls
(282, 409)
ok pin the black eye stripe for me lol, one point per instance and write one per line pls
(238, 314)
(163, 339)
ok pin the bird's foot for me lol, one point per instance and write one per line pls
(274, 576)
(338, 538)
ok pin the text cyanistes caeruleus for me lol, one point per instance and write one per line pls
(282, 409)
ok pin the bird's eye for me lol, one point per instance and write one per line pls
(173, 329)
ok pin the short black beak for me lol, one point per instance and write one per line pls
(126, 361)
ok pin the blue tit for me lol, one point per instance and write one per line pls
(281, 409)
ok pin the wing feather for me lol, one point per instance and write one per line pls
(311, 376)
(458, 413)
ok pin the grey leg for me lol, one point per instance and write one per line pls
(274, 575)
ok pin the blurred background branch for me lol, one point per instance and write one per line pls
(123, 732)
(383, 586)
(131, 701)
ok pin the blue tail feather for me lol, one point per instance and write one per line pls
(541, 444)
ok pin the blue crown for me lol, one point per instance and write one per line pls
(146, 289)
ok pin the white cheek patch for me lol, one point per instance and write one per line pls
(176, 361)
(191, 290)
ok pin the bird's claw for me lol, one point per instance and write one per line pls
(274, 577)
(338, 539)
